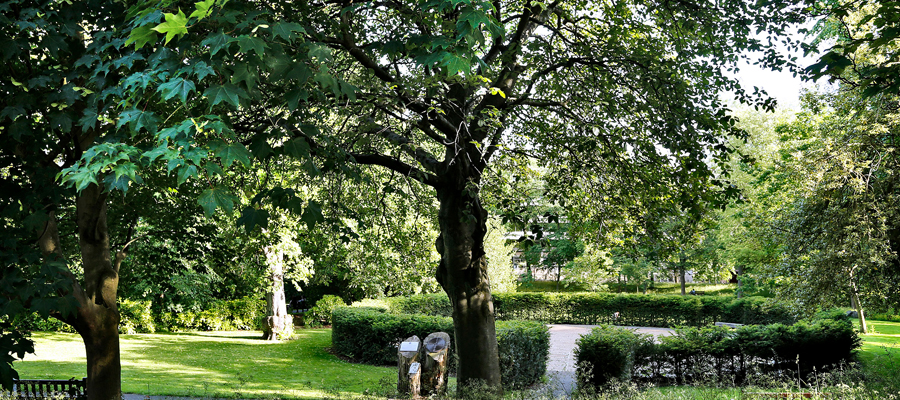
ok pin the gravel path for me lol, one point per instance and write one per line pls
(561, 366)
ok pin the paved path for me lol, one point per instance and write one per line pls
(561, 366)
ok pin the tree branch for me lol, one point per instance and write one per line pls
(398, 166)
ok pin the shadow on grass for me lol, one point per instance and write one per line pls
(219, 364)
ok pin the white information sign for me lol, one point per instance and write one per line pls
(409, 346)
(413, 368)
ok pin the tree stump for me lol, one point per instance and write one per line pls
(407, 354)
(415, 380)
(434, 363)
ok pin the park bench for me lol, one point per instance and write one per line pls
(47, 388)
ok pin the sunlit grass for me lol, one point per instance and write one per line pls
(214, 364)
(880, 351)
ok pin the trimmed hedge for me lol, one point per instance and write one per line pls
(715, 353)
(371, 335)
(610, 308)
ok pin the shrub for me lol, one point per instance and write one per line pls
(371, 335)
(240, 314)
(605, 354)
(321, 313)
(609, 308)
(524, 348)
(716, 354)
(135, 316)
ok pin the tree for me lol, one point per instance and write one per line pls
(437, 92)
(52, 101)
(838, 231)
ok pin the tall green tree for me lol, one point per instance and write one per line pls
(839, 230)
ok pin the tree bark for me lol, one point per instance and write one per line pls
(681, 274)
(434, 363)
(857, 304)
(404, 359)
(462, 273)
(97, 316)
(739, 271)
(278, 324)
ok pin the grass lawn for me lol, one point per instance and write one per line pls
(880, 351)
(214, 364)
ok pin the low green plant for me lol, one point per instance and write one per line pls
(321, 314)
(607, 308)
(136, 317)
(716, 354)
(607, 354)
(523, 345)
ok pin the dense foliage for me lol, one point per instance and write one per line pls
(321, 313)
(371, 336)
(608, 308)
(716, 354)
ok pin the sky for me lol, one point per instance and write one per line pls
(782, 85)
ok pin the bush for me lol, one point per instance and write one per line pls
(371, 335)
(524, 348)
(605, 354)
(222, 315)
(321, 313)
(609, 308)
(716, 354)
(135, 317)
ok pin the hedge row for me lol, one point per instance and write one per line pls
(714, 354)
(609, 308)
(137, 317)
(371, 335)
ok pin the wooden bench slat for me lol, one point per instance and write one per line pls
(28, 389)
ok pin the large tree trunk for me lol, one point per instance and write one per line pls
(739, 271)
(681, 273)
(278, 324)
(462, 274)
(97, 317)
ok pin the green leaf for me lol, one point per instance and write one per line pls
(139, 119)
(247, 43)
(320, 53)
(175, 25)
(243, 74)
(177, 87)
(456, 64)
(252, 217)
(233, 152)
(217, 197)
(186, 172)
(140, 36)
(202, 70)
(202, 9)
(286, 30)
(216, 41)
(297, 148)
(214, 169)
(312, 214)
(227, 92)
(155, 153)
(260, 146)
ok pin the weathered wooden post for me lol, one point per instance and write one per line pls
(408, 353)
(434, 363)
(415, 380)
